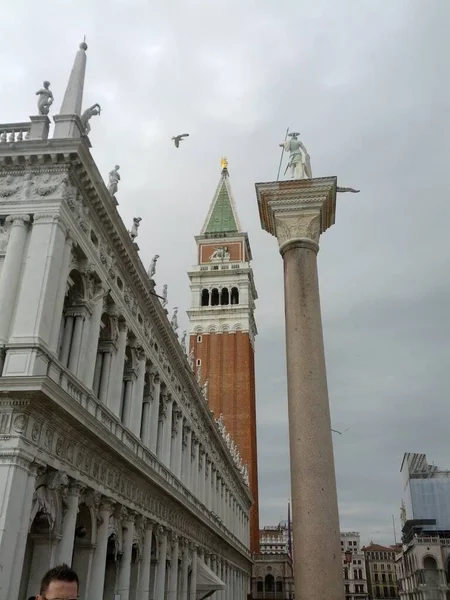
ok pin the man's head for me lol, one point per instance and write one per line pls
(60, 583)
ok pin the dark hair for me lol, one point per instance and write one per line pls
(59, 573)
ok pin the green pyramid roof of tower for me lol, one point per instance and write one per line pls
(222, 216)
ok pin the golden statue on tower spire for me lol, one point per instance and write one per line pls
(224, 162)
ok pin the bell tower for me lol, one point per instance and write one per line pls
(223, 329)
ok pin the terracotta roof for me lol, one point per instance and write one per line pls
(377, 548)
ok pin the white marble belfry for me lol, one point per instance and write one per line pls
(297, 212)
(107, 447)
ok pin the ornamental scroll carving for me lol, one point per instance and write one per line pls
(290, 227)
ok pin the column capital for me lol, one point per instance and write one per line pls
(300, 209)
(21, 220)
(75, 489)
(127, 515)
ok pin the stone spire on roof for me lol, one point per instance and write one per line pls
(222, 215)
(68, 122)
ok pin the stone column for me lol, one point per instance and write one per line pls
(75, 347)
(105, 377)
(12, 268)
(130, 380)
(17, 482)
(213, 489)
(136, 409)
(154, 414)
(202, 477)
(65, 546)
(125, 561)
(208, 483)
(176, 455)
(297, 212)
(99, 561)
(116, 385)
(92, 343)
(61, 294)
(145, 429)
(67, 339)
(160, 583)
(185, 571)
(173, 581)
(187, 450)
(194, 466)
(193, 586)
(144, 572)
(167, 429)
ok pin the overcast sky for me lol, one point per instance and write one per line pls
(367, 85)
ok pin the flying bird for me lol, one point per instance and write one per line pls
(178, 138)
(340, 432)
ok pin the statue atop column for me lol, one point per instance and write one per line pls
(114, 178)
(45, 99)
(92, 111)
(299, 160)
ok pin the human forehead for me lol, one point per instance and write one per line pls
(61, 589)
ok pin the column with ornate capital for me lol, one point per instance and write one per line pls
(208, 476)
(177, 443)
(65, 546)
(160, 582)
(93, 339)
(167, 430)
(61, 293)
(36, 301)
(297, 212)
(187, 442)
(146, 410)
(194, 465)
(116, 385)
(202, 476)
(125, 562)
(99, 560)
(144, 571)
(12, 267)
(154, 413)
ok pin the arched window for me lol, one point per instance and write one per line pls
(269, 583)
(377, 592)
(234, 295)
(392, 592)
(215, 297)
(225, 297)
(360, 573)
(431, 571)
(385, 591)
(260, 585)
(279, 585)
(355, 574)
(205, 297)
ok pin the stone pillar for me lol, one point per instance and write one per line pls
(173, 581)
(202, 477)
(208, 482)
(12, 268)
(67, 339)
(145, 429)
(176, 454)
(297, 212)
(61, 294)
(65, 546)
(167, 430)
(116, 385)
(193, 586)
(75, 347)
(213, 489)
(187, 450)
(136, 409)
(125, 561)
(154, 414)
(99, 561)
(105, 377)
(17, 482)
(144, 572)
(194, 466)
(185, 572)
(130, 380)
(160, 583)
(35, 305)
(92, 343)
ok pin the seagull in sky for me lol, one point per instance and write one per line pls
(340, 432)
(178, 138)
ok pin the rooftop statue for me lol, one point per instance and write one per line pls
(134, 230)
(152, 268)
(164, 295)
(114, 179)
(45, 99)
(174, 319)
(299, 160)
(92, 111)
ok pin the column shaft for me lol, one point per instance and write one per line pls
(61, 294)
(173, 581)
(145, 429)
(136, 409)
(314, 499)
(115, 395)
(125, 561)
(193, 586)
(144, 572)
(67, 339)
(99, 559)
(92, 344)
(105, 377)
(65, 546)
(154, 417)
(74, 356)
(185, 573)
(167, 431)
(160, 583)
(127, 401)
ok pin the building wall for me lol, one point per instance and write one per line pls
(353, 567)
(107, 447)
(381, 572)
